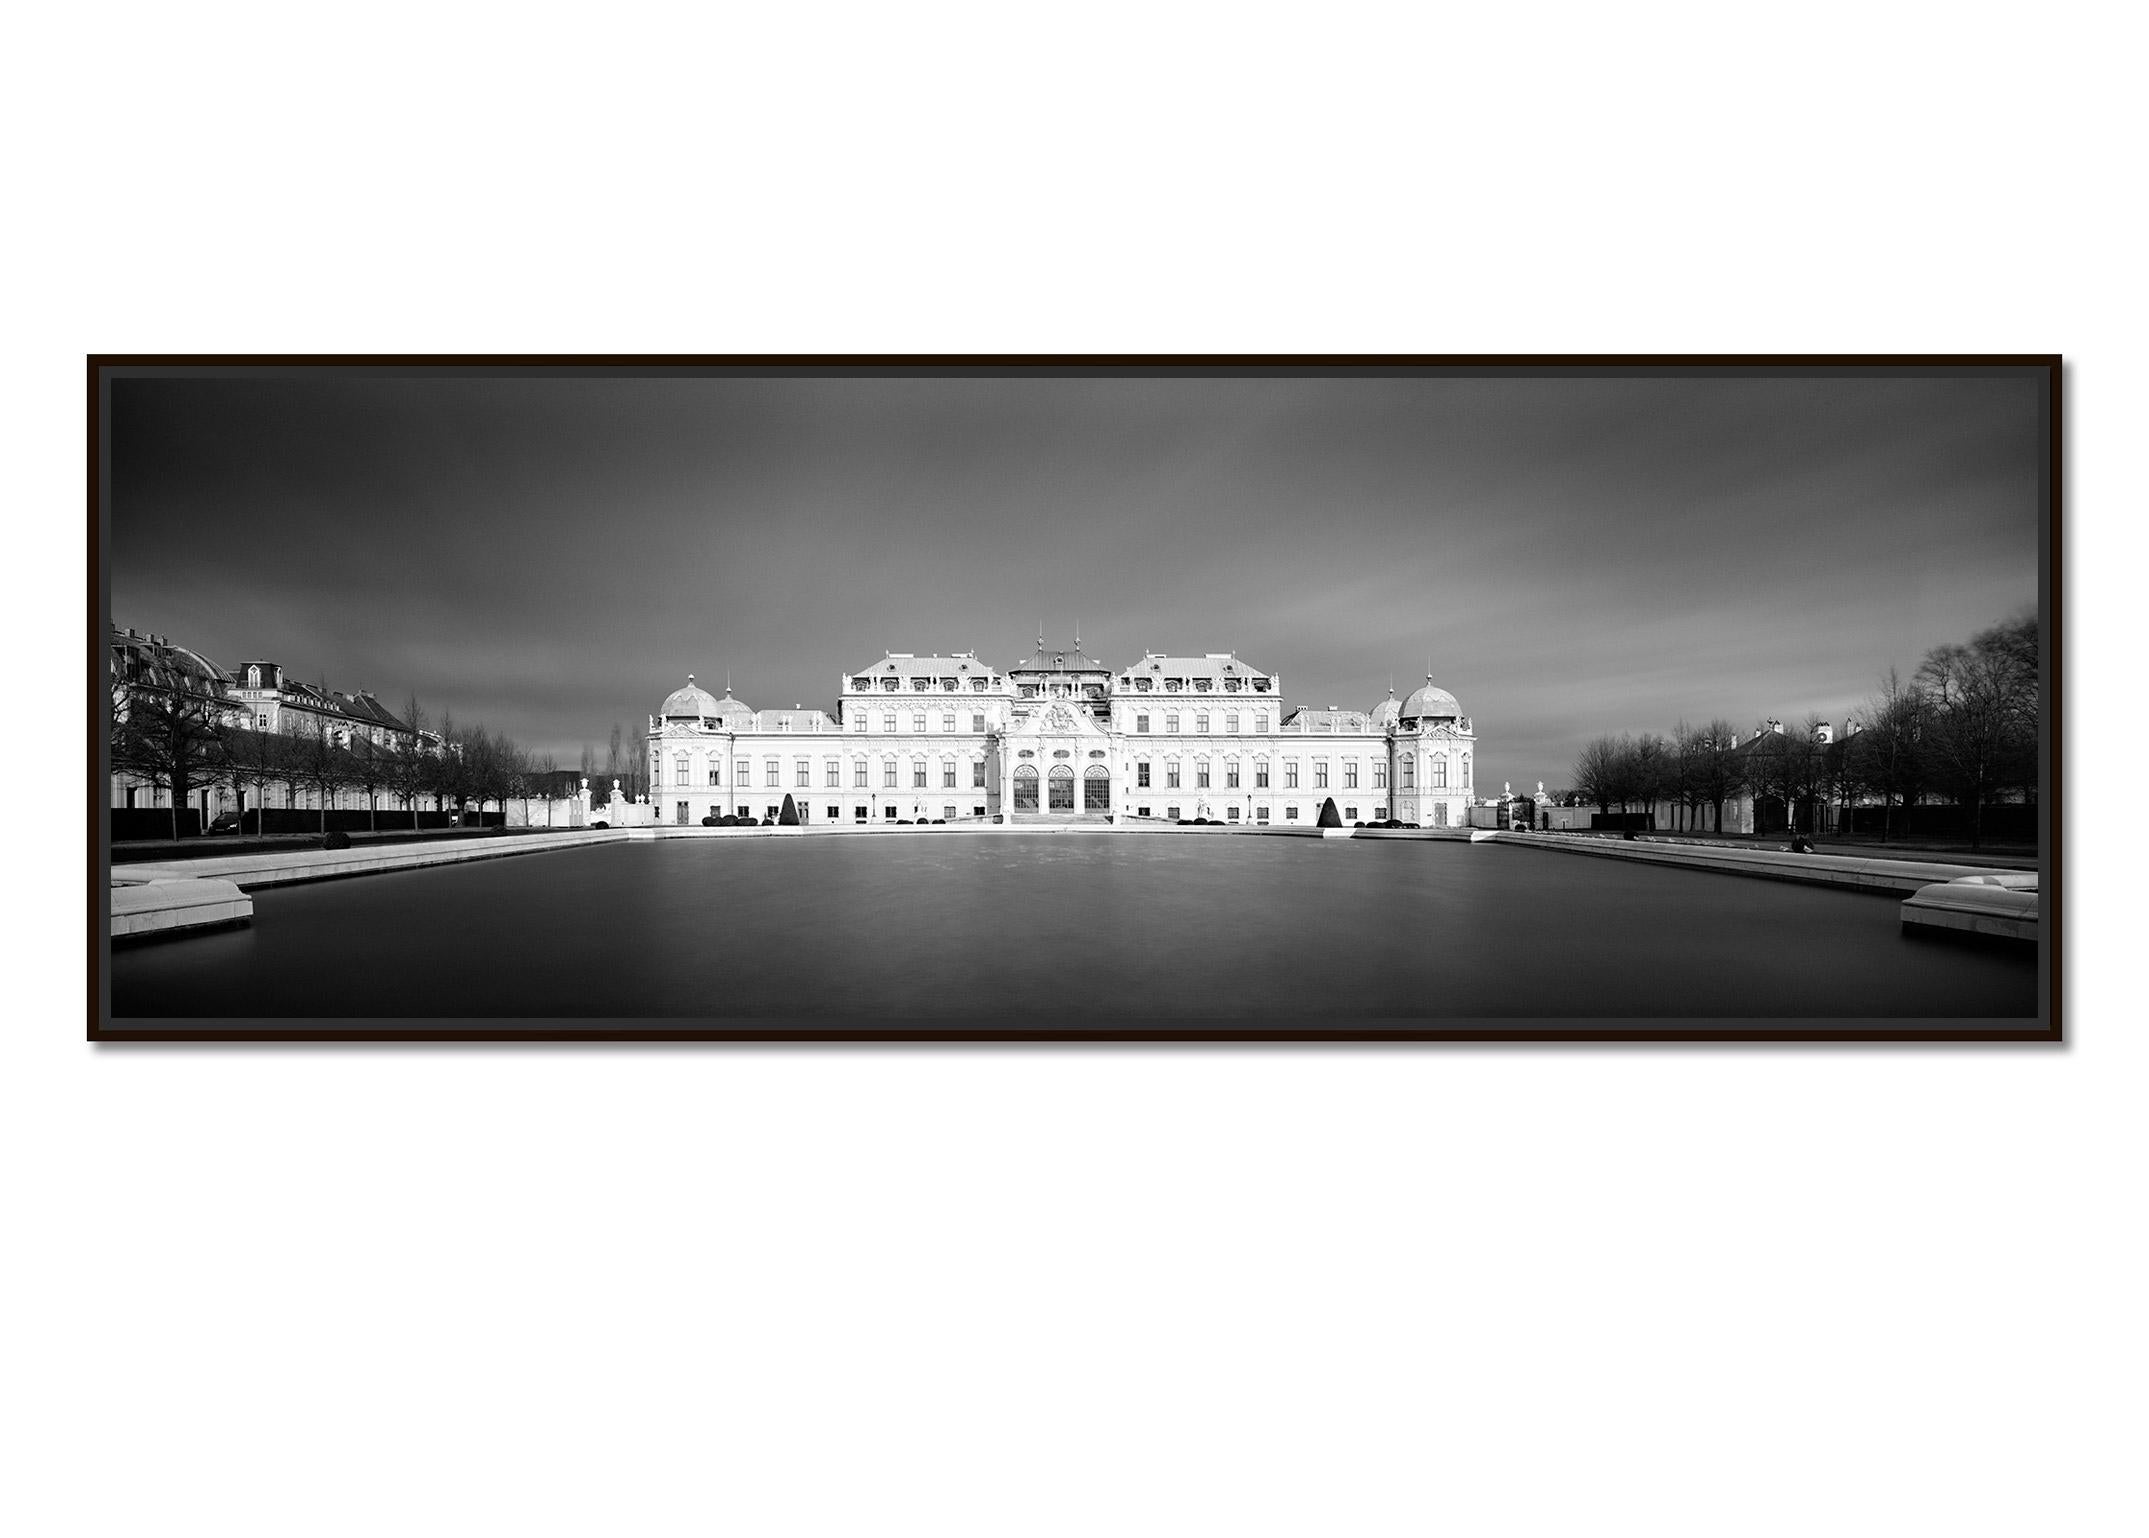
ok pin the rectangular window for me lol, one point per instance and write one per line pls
(948, 812)
(835, 813)
(1172, 812)
(1440, 772)
(679, 772)
(858, 775)
(1231, 776)
(1290, 774)
(773, 778)
(1261, 814)
(716, 771)
(917, 774)
(1171, 776)
(835, 774)
(947, 775)
(1290, 814)
(1201, 723)
(1261, 722)
(261, 723)
(858, 813)
(1350, 814)
(1350, 774)
(1261, 775)
(947, 720)
(1231, 814)
(742, 774)
(1171, 723)
(1141, 774)
(1320, 774)
(1141, 722)
(858, 721)
(887, 775)
(1231, 726)
(804, 773)
(977, 723)
(887, 720)
(1380, 774)
(917, 722)
(1201, 775)
(977, 775)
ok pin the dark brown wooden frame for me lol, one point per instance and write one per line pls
(2051, 846)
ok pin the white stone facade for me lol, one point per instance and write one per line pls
(1063, 737)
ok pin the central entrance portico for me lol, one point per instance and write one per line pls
(1061, 760)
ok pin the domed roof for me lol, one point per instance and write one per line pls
(1430, 701)
(690, 702)
(1383, 715)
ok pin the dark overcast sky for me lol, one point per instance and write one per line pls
(1569, 556)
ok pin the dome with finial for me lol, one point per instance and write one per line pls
(1382, 717)
(690, 703)
(1430, 704)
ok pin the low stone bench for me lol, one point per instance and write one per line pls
(1999, 906)
(144, 908)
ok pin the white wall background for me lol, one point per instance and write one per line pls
(530, 1291)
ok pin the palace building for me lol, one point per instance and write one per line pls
(1063, 737)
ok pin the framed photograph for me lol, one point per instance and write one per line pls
(1011, 699)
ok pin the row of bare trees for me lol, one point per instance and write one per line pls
(180, 741)
(1962, 729)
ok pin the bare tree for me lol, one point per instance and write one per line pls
(1889, 749)
(258, 759)
(1648, 770)
(171, 737)
(410, 768)
(372, 770)
(1598, 772)
(1981, 702)
(320, 762)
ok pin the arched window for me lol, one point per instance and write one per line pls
(1096, 789)
(1025, 788)
(1061, 788)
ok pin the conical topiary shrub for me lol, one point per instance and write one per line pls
(789, 817)
(1330, 818)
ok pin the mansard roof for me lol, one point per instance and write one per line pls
(1063, 659)
(908, 665)
(159, 663)
(1216, 665)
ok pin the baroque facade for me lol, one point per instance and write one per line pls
(1062, 736)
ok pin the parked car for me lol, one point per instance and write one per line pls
(227, 823)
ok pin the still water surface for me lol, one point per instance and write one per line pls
(1065, 929)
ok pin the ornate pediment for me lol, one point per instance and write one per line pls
(1055, 719)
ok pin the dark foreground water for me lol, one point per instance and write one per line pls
(1066, 929)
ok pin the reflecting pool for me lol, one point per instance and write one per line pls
(1066, 930)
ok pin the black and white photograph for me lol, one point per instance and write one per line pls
(1172, 698)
